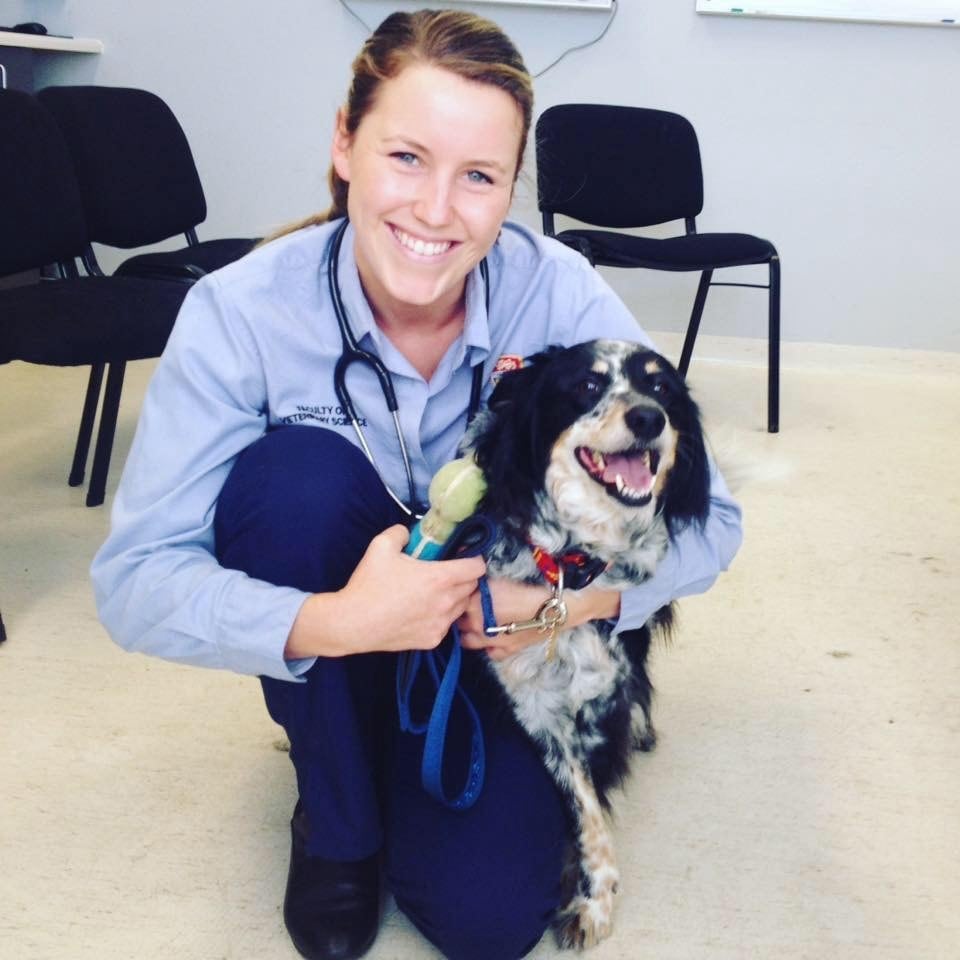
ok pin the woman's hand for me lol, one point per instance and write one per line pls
(514, 602)
(391, 603)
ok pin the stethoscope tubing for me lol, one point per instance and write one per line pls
(353, 353)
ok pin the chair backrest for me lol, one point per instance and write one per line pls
(41, 214)
(617, 166)
(137, 175)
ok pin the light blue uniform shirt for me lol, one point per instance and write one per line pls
(254, 347)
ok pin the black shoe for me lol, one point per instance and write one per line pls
(331, 909)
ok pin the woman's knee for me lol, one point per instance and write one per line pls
(481, 884)
(299, 508)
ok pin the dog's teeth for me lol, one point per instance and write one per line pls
(598, 460)
(620, 484)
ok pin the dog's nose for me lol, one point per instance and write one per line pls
(645, 422)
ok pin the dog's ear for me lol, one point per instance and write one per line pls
(511, 448)
(688, 489)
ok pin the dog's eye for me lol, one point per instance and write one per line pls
(590, 387)
(660, 388)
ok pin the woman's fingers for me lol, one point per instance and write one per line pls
(404, 603)
(512, 602)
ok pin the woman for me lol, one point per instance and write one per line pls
(251, 533)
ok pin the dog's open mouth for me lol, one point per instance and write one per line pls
(627, 475)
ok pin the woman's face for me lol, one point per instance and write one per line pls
(431, 170)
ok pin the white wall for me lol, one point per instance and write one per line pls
(14, 11)
(839, 142)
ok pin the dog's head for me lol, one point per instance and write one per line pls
(606, 430)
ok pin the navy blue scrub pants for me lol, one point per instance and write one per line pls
(299, 509)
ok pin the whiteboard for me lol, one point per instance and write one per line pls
(556, 4)
(925, 12)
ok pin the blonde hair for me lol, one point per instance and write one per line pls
(467, 45)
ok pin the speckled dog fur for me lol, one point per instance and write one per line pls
(596, 448)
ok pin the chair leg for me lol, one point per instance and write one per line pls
(108, 426)
(3, 630)
(773, 348)
(86, 425)
(694, 325)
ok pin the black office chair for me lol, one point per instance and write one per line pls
(138, 180)
(68, 320)
(626, 167)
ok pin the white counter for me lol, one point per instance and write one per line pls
(39, 41)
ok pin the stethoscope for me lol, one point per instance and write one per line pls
(352, 353)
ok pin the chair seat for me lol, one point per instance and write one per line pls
(88, 320)
(695, 251)
(191, 262)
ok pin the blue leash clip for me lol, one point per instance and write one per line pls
(471, 538)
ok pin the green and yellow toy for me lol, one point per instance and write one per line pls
(455, 491)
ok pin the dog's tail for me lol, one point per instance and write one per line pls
(747, 460)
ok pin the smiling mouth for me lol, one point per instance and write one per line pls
(627, 475)
(422, 248)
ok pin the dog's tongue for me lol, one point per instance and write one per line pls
(634, 470)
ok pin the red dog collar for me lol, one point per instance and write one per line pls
(579, 568)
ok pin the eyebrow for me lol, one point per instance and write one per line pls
(416, 147)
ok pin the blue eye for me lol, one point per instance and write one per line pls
(404, 157)
(476, 176)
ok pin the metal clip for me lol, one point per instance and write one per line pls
(550, 616)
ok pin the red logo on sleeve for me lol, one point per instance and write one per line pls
(504, 365)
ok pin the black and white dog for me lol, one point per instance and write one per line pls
(593, 456)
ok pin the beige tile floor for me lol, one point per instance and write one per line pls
(804, 801)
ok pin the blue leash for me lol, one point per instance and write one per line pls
(471, 538)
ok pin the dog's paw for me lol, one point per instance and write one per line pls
(643, 735)
(645, 740)
(584, 922)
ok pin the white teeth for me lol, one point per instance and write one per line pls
(421, 247)
(598, 460)
(626, 491)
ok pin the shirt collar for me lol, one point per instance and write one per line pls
(359, 314)
(476, 327)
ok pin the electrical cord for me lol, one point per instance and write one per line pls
(581, 46)
(356, 16)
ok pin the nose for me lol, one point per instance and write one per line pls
(645, 422)
(433, 205)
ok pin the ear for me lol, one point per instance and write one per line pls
(688, 488)
(508, 450)
(341, 148)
